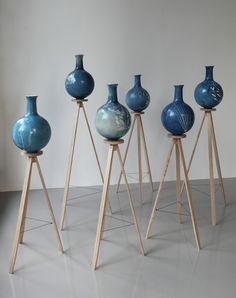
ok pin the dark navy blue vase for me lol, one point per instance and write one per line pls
(177, 117)
(137, 98)
(31, 132)
(79, 83)
(112, 119)
(208, 93)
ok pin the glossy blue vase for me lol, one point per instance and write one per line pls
(177, 117)
(208, 93)
(79, 83)
(137, 98)
(112, 119)
(31, 132)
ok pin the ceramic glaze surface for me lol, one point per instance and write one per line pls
(79, 83)
(208, 93)
(178, 117)
(31, 132)
(112, 119)
(137, 98)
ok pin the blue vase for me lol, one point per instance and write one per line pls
(177, 117)
(137, 98)
(208, 93)
(79, 83)
(31, 132)
(112, 119)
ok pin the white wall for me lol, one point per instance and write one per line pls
(167, 41)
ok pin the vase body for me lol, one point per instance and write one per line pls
(31, 132)
(112, 119)
(178, 117)
(137, 98)
(79, 83)
(208, 93)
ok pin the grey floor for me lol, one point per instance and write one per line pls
(172, 267)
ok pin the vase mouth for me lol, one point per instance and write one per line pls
(79, 55)
(115, 85)
(209, 66)
(31, 96)
(179, 86)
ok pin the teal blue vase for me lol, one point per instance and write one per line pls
(178, 117)
(137, 98)
(112, 119)
(208, 94)
(79, 83)
(32, 132)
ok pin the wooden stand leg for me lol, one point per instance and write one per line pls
(95, 152)
(69, 168)
(159, 190)
(102, 206)
(91, 137)
(146, 154)
(126, 152)
(140, 172)
(24, 220)
(104, 215)
(217, 161)
(194, 149)
(131, 202)
(189, 195)
(21, 214)
(211, 172)
(178, 205)
(49, 205)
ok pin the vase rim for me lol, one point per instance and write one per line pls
(79, 55)
(209, 66)
(179, 85)
(115, 84)
(138, 75)
(28, 96)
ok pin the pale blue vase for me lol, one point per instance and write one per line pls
(112, 119)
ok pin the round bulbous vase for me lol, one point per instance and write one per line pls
(79, 83)
(32, 132)
(112, 119)
(208, 93)
(137, 98)
(177, 117)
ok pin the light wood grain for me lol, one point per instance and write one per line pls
(102, 206)
(189, 195)
(21, 214)
(126, 153)
(211, 172)
(159, 190)
(69, 168)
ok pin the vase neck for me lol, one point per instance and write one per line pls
(31, 106)
(209, 72)
(112, 93)
(178, 95)
(79, 62)
(137, 80)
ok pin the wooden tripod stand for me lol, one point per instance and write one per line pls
(211, 142)
(31, 158)
(176, 142)
(140, 138)
(80, 105)
(113, 146)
